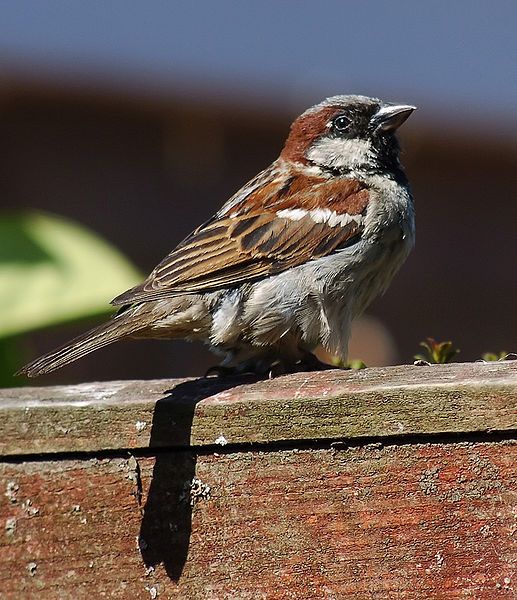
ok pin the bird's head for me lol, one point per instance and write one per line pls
(347, 134)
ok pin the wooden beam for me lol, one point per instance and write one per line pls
(380, 402)
(384, 483)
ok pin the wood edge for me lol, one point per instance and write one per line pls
(241, 414)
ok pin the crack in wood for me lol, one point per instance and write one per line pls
(371, 442)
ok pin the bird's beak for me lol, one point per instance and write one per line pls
(389, 118)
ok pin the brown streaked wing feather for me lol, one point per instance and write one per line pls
(267, 183)
(267, 245)
(305, 191)
(236, 248)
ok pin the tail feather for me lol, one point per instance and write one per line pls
(118, 328)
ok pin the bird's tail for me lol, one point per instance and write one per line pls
(117, 328)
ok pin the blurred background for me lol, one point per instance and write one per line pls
(125, 124)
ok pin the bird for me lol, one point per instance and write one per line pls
(288, 262)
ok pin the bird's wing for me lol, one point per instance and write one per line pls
(259, 234)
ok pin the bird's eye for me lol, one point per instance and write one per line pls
(341, 123)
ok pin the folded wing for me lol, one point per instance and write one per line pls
(263, 237)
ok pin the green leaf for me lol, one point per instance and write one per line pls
(354, 363)
(437, 352)
(53, 270)
(493, 356)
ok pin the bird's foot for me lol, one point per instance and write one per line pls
(260, 369)
(270, 370)
(220, 371)
(310, 362)
(307, 364)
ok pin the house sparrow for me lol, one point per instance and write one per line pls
(290, 259)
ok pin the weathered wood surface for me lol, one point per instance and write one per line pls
(423, 521)
(385, 483)
(331, 405)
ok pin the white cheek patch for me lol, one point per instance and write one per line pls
(342, 153)
(320, 215)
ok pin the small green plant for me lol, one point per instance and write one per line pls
(354, 363)
(495, 356)
(436, 353)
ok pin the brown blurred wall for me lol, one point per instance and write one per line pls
(144, 173)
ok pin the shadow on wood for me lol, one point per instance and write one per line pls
(166, 525)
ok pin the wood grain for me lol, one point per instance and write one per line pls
(391, 401)
(387, 483)
(422, 521)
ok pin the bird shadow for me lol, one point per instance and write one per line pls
(166, 524)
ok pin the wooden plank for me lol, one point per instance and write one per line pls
(418, 521)
(392, 401)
